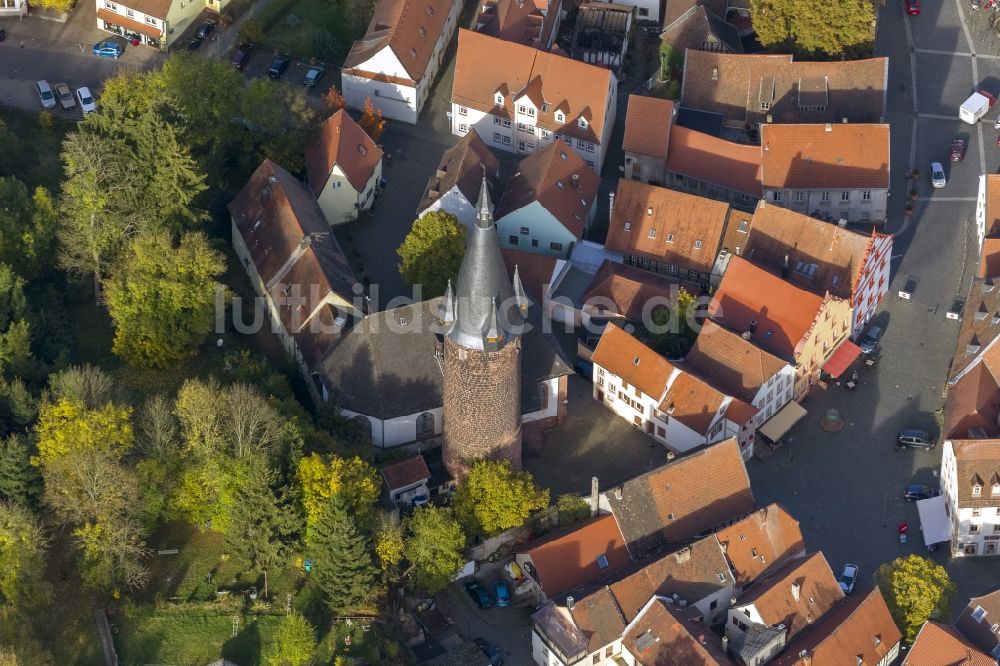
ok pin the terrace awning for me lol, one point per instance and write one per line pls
(846, 353)
(934, 521)
(782, 422)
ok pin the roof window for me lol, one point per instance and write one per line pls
(635, 361)
(423, 31)
(562, 155)
(652, 233)
(649, 211)
(628, 226)
(362, 150)
(602, 561)
(430, 10)
(560, 185)
(979, 614)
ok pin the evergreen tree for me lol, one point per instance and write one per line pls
(343, 565)
(19, 480)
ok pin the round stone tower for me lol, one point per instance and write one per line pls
(482, 353)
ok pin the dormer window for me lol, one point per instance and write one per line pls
(583, 123)
(499, 98)
(430, 10)
(362, 150)
(652, 233)
(697, 245)
(977, 490)
(423, 31)
(560, 117)
(996, 489)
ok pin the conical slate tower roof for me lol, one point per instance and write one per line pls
(487, 315)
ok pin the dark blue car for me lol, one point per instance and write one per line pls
(479, 595)
(503, 596)
(108, 49)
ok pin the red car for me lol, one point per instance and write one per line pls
(957, 150)
(913, 7)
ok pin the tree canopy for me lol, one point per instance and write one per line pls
(28, 224)
(67, 427)
(22, 545)
(834, 28)
(434, 548)
(352, 480)
(294, 642)
(916, 589)
(494, 498)
(432, 252)
(343, 566)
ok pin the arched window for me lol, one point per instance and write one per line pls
(425, 425)
(364, 425)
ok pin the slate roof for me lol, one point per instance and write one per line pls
(980, 632)
(463, 166)
(817, 156)
(939, 644)
(406, 472)
(859, 627)
(666, 225)
(559, 180)
(647, 126)
(735, 166)
(567, 558)
(410, 28)
(731, 363)
(977, 462)
(663, 636)
(736, 84)
(759, 542)
(692, 29)
(341, 141)
(838, 254)
(796, 594)
(682, 499)
(628, 290)
(486, 65)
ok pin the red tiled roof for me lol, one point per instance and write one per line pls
(558, 179)
(568, 558)
(797, 594)
(537, 271)
(856, 629)
(763, 540)
(728, 361)
(977, 462)
(599, 617)
(735, 166)
(463, 166)
(666, 225)
(640, 366)
(486, 65)
(661, 635)
(695, 403)
(341, 141)
(628, 290)
(832, 155)
(783, 312)
(980, 632)
(695, 493)
(527, 22)
(402, 473)
(647, 126)
(940, 644)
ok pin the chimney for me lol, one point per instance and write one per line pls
(576, 181)
(611, 204)
(725, 643)
(753, 327)
(594, 496)
(701, 638)
(715, 73)
(784, 269)
(569, 603)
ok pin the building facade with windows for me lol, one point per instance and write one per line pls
(834, 171)
(397, 60)
(344, 167)
(520, 99)
(648, 125)
(711, 167)
(155, 23)
(970, 482)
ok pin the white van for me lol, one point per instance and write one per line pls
(975, 107)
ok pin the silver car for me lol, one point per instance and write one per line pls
(45, 95)
(869, 343)
(937, 175)
(65, 96)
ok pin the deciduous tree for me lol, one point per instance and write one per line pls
(371, 120)
(835, 28)
(916, 589)
(432, 252)
(113, 552)
(352, 480)
(294, 642)
(281, 120)
(494, 498)
(342, 564)
(389, 542)
(572, 508)
(86, 384)
(22, 550)
(674, 327)
(333, 99)
(434, 545)
(67, 426)
(162, 299)
(15, 338)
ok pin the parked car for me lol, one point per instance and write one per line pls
(913, 7)
(242, 56)
(87, 102)
(205, 29)
(65, 96)
(479, 595)
(491, 651)
(108, 49)
(503, 595)
(957, 150)
(916, 492)
(313, 76)
(848, 578)
(45, 95)
(193, 44)
(938, 179)
(869, 343)
(915, 439)
(278, 67)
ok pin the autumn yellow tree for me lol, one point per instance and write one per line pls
(494, 498)
(371, 120)
(353, 480)
(68, 427)
(333, 99)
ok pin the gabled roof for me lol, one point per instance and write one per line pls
(640, 366)
(486, 65)
(816, 255)
(693, 28)
(857, 630)
(977, 461)
(598, 618)
(156, 8)
(666, 225)
(730, 362)
(463, 166)
(684, 498)
(980, 631)
(735, 166)
(696, 403)
(568, 558)
(980, 325)
(528, 22)
(678, 8)
(692, 573)
(973, 403)
(738, 226)
(736, 85)
(939, 644)
(341, 141)
(796, 594)
(647, 126)
(628, 290)
(411, 28)
(559, 180)
(292, 249)
(406, 472)
(663, 636)
(834, 155)
(783, 313)
(537, 271)
(763, 540)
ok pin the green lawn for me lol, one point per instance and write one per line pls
(311, 29)
(35, 158)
